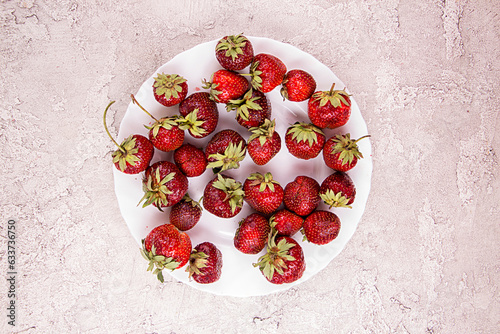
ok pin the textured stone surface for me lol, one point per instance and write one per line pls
(425, 74)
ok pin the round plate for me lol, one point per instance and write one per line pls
(239, 276)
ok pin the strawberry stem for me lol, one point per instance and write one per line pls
(331, 89)
(366, 136)
(106, 127)
(135, 102)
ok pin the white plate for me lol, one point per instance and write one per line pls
(239, 276)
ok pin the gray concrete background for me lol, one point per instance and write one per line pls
(425, 256)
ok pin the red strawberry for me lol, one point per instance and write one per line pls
(286, 222)
(264, 143)
(226, 85)
(252, 233)
(283, 262)
(185, 214)
(329, 109)
(165, 133)
(205, 263)
(341, 152)
(191, 160)
(267, 72)
(133, 154)
(297, 86)
(302, 195)
(163, 185)
(252, 109)
(321, 227)
(234, 52)
(304, 141)
(338, 190)
(223, 196)
(263, 193)
(200, 115)
(165, 247)
(225, 150)
(169, 89)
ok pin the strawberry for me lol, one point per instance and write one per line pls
(163, 185)
(283, 261)
(165, 247)
(169, 89)
(200, 115)
(234, 52)
(264, 143)
(329, 109)
(226, 85)
(134, 154)
(263, 193)
(341, 152)
(205, 263)
(252, 109)
(304, 141)
(185, 214)
(225, 150)
(321, 227)
(252, 233)
(302, 195)
(297, 86)
(165, 133)
(223, 196)
(338, 190)
(286, 222)
(191, 160)
(267, 72)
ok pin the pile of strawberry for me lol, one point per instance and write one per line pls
(278, 213)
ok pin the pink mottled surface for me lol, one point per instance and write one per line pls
(424, 258)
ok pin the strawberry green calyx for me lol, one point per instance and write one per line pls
(275, 257)
(126, 153)
(233, 190)
(305, 132)
(127, 150)
(337, 200)
(256, 80)
(265, 181)
(347, 147)
(197, 260)
(191, 123)
(214, 93)
(244, 104)
(159, 261)
(304, 236)
(263, 132)
(230, 159)
(191, 201)
(168, 85)
(233, 45)
(167, 123)
(335, 97)
(155, 190)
